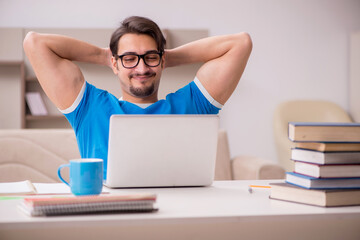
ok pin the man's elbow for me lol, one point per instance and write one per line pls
(242, 44)
(30, 40)
(245, 42)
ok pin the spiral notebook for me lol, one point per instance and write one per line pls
(88, 204)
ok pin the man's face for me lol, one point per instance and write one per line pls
(142, 81)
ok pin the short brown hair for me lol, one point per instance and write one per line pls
(138, 25)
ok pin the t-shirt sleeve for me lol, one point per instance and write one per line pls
(74, 112)
(192, 99)
(206, 94)
(203, 102)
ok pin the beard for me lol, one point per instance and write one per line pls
(142, 91)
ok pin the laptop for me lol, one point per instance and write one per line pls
(161, 150)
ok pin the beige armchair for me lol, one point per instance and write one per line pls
(36, 154)
(301, 111)
(243, 167)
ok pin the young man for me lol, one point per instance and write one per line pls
(137, 57)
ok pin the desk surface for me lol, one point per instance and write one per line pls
(226, 207)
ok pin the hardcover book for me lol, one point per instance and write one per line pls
(327, 171)
(317, 157)
(322, 183)
(329, 147)
(36, 104)
(323, 198)
(324, 132)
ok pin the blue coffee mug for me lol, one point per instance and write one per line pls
(86, 176)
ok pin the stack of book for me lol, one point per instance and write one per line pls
(327, 165)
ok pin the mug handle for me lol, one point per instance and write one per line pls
(59, 174)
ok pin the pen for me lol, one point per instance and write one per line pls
(256, 186)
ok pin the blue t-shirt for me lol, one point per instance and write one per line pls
(90, 114)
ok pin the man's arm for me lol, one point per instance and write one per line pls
(51, 57)
(225, 58)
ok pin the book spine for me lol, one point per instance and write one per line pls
(36, 104)
(324, 132)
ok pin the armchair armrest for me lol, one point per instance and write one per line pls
(250, 167)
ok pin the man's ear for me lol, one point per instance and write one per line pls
(114, 65)
(163, 61)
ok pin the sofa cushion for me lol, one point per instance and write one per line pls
(35, 155)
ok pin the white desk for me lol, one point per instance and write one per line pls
(225, 210)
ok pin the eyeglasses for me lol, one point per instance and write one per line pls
(131, 60)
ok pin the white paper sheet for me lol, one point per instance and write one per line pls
(52, 188)
(16, 188)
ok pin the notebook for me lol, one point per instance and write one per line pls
(161, 150)
(53, 206)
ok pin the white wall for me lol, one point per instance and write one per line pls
(301, 48)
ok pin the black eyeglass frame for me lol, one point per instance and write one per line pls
(142, 56)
